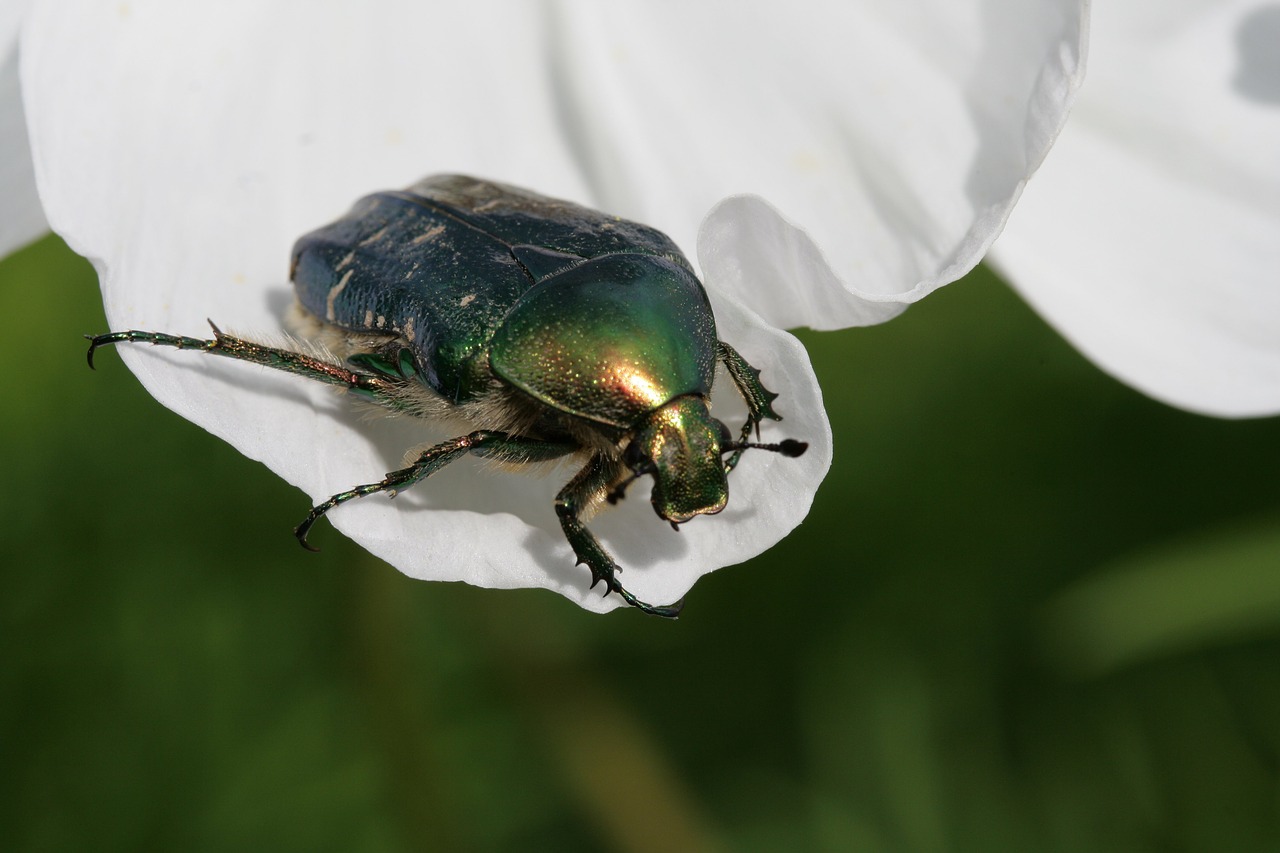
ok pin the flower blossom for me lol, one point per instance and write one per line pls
(853, 157)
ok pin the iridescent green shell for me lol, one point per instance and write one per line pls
(593, 315)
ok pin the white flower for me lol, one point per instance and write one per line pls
(183, 152)
(1151, 238)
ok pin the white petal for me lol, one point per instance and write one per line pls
(183, 153)
(21, 218)
(1151, 238)
(897, 136)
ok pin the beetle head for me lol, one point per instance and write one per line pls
(680, 444)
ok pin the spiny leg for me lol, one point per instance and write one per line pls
(759, 399)
(375, 388)
(487, 443)
(593, 480)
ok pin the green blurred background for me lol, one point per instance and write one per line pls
(1031, 610)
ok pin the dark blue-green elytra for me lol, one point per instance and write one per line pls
(484, 279)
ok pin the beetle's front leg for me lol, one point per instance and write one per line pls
(759, 399)
(487, 443)
(585, 488)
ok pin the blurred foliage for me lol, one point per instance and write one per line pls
(1031, 610)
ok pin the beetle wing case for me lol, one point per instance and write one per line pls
(442, 263)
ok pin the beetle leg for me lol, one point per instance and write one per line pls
(759, 399)
(300, 364)
(486, 443)
(572, 499)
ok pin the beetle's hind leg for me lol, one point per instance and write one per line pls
(376, 388)
(587, 486)
(759, 399)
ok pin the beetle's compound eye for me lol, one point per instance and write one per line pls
(683, 442)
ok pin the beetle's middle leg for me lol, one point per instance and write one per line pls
(487, 443)
(759, 399)
(585, 488)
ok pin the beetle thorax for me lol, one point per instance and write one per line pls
(680, 444)
(609, 340)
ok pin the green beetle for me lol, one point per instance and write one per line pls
(550, 329)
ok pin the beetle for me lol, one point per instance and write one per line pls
(550, 329)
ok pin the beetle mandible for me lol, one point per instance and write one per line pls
(551, 329)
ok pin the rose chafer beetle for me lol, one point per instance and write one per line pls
(549, 329)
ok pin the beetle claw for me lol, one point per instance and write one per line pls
(300, 533)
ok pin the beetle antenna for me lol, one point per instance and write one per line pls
(787, 447)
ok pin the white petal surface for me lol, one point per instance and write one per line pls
(21, 219)
(183, 153)
(896, 135)
(1151, 238)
